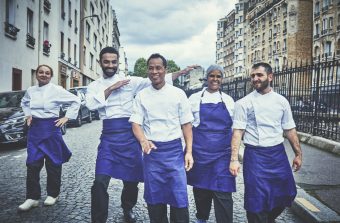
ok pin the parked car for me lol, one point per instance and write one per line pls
(12, 118)
(84, 114)
(83, 89)
(309, 106)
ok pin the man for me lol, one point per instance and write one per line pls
(119, 154)
(161, 114)
(262, 116)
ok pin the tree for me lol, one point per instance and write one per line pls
(140, 68)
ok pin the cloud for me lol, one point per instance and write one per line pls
(184, 31)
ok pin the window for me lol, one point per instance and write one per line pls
(69, 10)
(29, 22)
(91, 10)
(45, 31)
(328, 48)
(88, 31)
(10, 12)
(75, 54)
(324, 24)
(317, 7)
(91, 61)
(69, 49)
(62, 2)
(94, 41)
(330, 22)
(84, 55)
(62, 43)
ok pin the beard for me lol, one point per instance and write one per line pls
(109, 73)
(263, 85)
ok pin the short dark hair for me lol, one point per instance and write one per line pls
(157, 55)
(44, 65)
(108, 49)
(266, 66)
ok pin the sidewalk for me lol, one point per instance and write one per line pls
(318, 181)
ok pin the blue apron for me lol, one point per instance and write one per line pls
(45, 139)
(119, 153)
(164, 175)
(268, 178)
(211, 149)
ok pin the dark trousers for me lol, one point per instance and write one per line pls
(264, 216)
(223, 204)
(100, 197)
(33, 190)
(158, 214)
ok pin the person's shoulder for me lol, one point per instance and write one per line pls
(280, 97)
(175, 89)
(227, 97)
(246, 98)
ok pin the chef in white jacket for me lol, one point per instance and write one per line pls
(41, 105)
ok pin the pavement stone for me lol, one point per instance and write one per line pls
(74, 202)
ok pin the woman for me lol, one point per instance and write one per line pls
(41, 105)
(210, 176)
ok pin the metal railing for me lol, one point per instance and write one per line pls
(312, 90)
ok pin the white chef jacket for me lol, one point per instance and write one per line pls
(119, 103)
(208, 97)
(161, 112)
(263, 117)
(45, 102)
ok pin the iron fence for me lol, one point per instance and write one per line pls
(313, 92)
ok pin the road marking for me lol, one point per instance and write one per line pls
(307, 204)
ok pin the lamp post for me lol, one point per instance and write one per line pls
(81, 41)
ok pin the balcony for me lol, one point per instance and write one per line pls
(338, 52)
(63, 15)
(46, 47)
(76, 29)
(284, 49)
(316, 15)
(62, 55)
(11, 31)
(324, 32)
(284, 14)
(30, 41)
(270, 39)
(47, 6)
(70, 22)
(338, 28)
(316, 36)
(274, 35)
(325, 8)
(263, 42)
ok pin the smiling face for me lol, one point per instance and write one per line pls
(214, 81)
(156, 72)
(109, 63)
(43, 75)
(260, 79)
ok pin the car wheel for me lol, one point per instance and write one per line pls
(63, 129)
(78, 120)
(89, 119)
(97, 115)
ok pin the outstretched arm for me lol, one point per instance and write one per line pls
(185, 71)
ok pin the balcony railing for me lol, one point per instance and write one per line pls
(47, 5)
(30, 41)
(270, 38)
(325, 8)
(338, 28)
(316, 14)
(316, 36)
(76, 29)
(337, 52)
(70, 22)
(285, 13)
(11, 30)
(284, 49)
(323, 32)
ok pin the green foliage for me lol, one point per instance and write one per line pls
(172, 67)
(140, 68)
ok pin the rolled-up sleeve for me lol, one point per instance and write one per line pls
(25, 104)
(287, 120)
(240, 116)
(137, 111)
(185, 110)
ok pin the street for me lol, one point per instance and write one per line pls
(74, 202)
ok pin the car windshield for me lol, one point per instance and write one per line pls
(10, 99)
(73, 91)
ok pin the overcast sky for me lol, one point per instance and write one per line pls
(181, 30)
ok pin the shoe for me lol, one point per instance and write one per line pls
(50, 201)
(129, 216)
(200, 221)
(28, 204)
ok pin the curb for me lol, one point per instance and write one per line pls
(306, 206)
(320, 143)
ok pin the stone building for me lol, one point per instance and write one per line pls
(326, 38)
(65, 34)
(221, 26)
(278, 32)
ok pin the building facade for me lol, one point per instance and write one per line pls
(66, 35)
(279, 32)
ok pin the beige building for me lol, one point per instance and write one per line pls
(221, 26)
(278, 32)
(326, 41)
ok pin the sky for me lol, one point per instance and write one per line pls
(180, 30)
